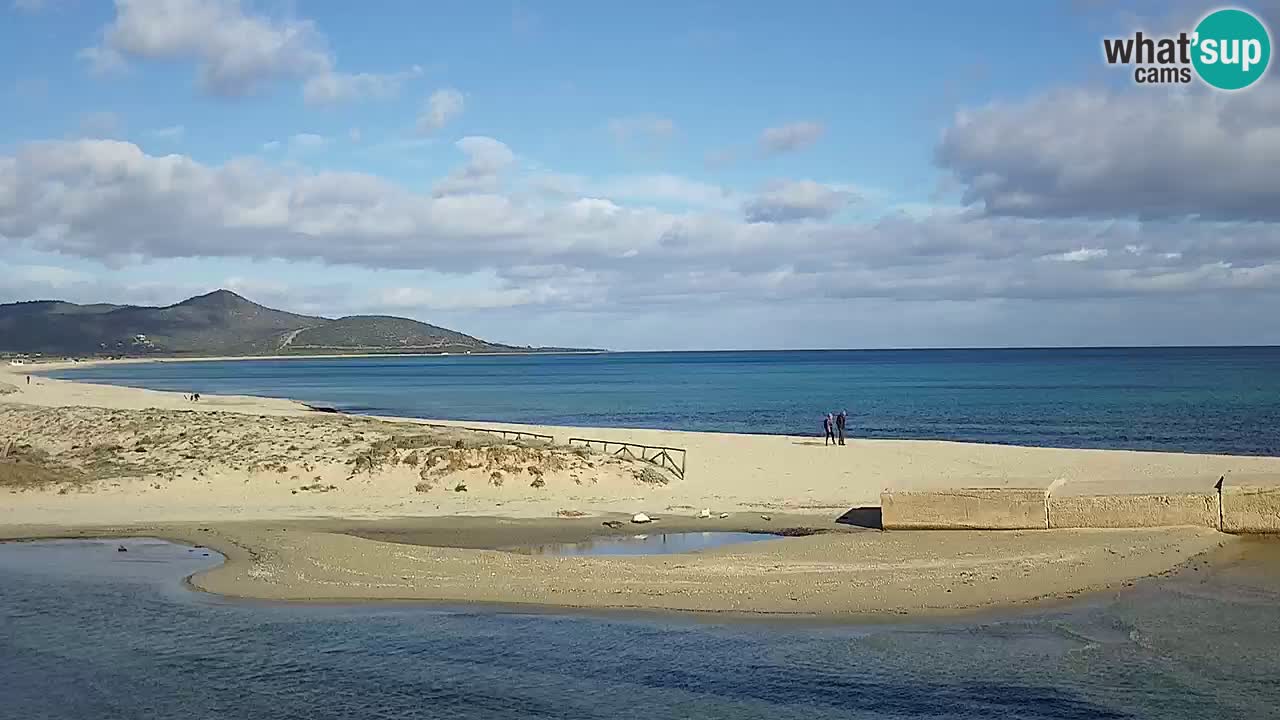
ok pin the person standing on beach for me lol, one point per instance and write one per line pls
(841, 419)
(828, 426)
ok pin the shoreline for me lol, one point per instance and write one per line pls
(64, 364)
(215, 466)
(665, 591)
(565, 430)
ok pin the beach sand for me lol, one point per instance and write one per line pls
(862, 574)
(116, 460)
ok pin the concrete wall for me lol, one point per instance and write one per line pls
(1243, 510)
(1133, 511)
(1251, 510)
(964, 509)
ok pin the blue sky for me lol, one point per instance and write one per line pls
(642, 176)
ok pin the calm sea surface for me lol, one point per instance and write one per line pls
(89, 633)
(1224, 400)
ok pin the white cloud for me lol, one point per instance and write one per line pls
(107, 199)
(235, 51)
(486, 160)
(1099, 154)
(791, 137)
(419, 298)
(442, 107)
(1081, 255)
(304, 141)
(50, 277)
(791, 200)
(173, 132)
(330, 88)
(665, 188)
(557, 185)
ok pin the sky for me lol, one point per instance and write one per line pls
(643, 176)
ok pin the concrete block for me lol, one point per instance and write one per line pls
(964, 509)
(1251, 510)
(1133, 511)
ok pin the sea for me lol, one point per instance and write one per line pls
(91, 633)
(1204, 400)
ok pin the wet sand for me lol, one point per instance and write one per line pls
(314, 506)
(836, 573)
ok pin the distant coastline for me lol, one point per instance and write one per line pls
(1066, 398)
(41, 365)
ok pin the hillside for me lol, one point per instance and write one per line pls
(219, 323)
(381, 331)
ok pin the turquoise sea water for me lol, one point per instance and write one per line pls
(90, 633)
(1224, 400)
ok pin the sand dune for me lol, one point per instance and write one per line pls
(106, 460)
(725, 472)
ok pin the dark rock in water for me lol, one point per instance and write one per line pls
(122, 549)
(323, 409)
(615, 524)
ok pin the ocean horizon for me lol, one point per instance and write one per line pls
(1214, 399)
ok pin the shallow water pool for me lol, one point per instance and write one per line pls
(90, 632)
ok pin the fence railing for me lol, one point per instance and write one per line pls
(660, 455)
(516, 434)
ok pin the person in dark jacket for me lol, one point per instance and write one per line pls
(828, 426)
(841, 420)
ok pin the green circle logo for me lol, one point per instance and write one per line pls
(1232, 49)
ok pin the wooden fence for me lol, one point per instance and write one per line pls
(514, 434)
(663, 457)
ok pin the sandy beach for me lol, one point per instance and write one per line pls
(832, 574)
(310, 505)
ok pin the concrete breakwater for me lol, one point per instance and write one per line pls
(1224, 506)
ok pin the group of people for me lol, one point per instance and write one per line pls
(834, 427)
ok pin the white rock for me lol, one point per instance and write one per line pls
(724, 515)
(640, 518)
(704, 513)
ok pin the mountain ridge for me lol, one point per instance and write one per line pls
(220, 322)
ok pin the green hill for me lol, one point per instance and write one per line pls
(219, 323)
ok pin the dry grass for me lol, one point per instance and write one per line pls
(28, 468)
(79, 445)
(652, 476)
